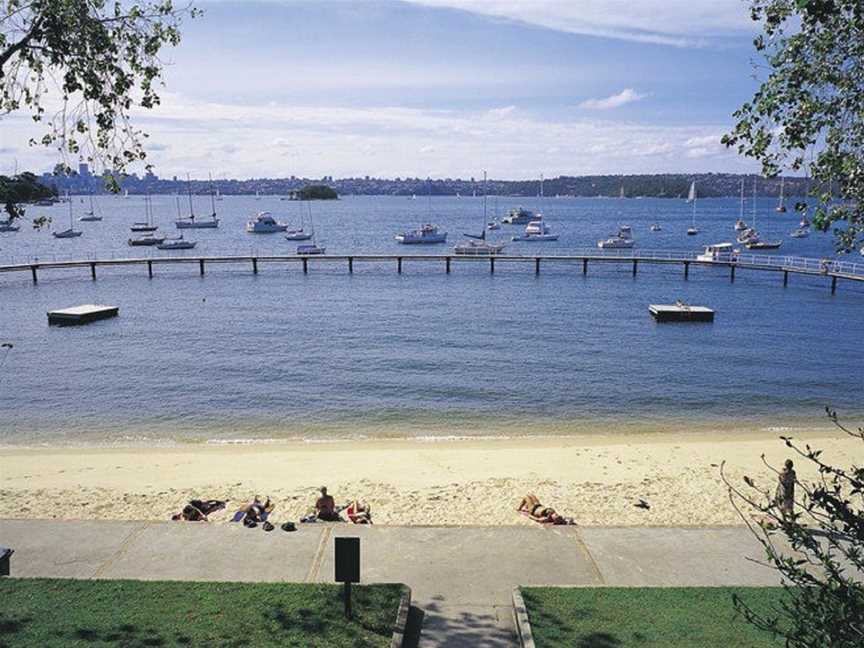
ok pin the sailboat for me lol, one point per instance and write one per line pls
(69, 233)
(191, 223)
(781, 207)
(753, 241)
(178, 243)
(300, 234)
(126, 194)
(428, 234)
(218, 195)
(90, 216)
(692, 230)
(479, 247)
(740, 225)
(146, 225)
(621, 194)
(311, 248)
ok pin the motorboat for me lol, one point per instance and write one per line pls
(692, 231)
(298, 235)
(176, 244)
(537, 230)
(478, 248)
(740, 225)
(264, 223)
(622, 240)
(7, 226)
(305, 250)
(493, 225)
(427, 234)
(143, 227)
(656, 227)
(748, 235)
(717, 252)
(801, 232)
(519, 216)
(763, 245)
(149, 239)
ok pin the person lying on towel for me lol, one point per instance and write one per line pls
(254, 512)
(359, 512)
(531, 507)
(198, 510)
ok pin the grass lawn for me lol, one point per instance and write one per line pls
(646, 617)
(132, 614)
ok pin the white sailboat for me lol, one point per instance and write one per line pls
(740, 225)
(478, 246)
(754, 241)
(310, 248)
(178, 243)
(191, 222)
(428, 234)
(147, 224)
(69, 233)
(692, 230)
(90, 216)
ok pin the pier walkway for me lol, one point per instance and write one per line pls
(461, 577)
(831, 269)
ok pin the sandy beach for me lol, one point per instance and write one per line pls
(595, 479)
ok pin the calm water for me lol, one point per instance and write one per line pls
(328, 355)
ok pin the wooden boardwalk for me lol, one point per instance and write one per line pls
(830, 269)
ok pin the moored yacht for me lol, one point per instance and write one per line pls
(519, 216)
(147, 239)
(801, 232)
(478, 245)
(427, 234)
(622, 240)
(537, 230)
(176, 244)
(717, 252)
(264, 223)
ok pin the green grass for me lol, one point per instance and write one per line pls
(647, 617)
(132, 614)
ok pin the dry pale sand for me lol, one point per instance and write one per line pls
(595, 479)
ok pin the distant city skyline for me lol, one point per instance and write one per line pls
(443, 88)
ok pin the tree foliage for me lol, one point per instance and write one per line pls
(818, 550)
(82, 67)
(19, 189)
(808, 113)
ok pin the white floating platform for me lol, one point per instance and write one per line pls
(680, 313)
(81, 314)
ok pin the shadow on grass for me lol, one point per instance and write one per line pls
(599, 640)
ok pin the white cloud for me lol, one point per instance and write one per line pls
(679, 23)
(626, 96)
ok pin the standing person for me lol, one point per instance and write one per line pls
(786, 490)
(325, 507)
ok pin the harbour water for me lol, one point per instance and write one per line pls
(237, 356)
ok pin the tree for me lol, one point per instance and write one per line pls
(818, 550)
(808, 113)
(82, 66)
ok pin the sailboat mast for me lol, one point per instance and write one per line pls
(429, 199)
(742, 200)
(694, 204)
(189, 186)
(754, 203)
(212, 196)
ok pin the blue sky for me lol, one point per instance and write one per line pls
(446, 88)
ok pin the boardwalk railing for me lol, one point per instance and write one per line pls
(832, 268)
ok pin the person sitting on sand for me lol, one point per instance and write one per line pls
(325, 507)
(359, 512)
(532, 507)
(198, 510)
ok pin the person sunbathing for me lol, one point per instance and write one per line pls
(531, 507)
(198, 510)
(325, 507)
(359, 512)
(254, 512)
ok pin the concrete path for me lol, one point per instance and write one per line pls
(461, 578)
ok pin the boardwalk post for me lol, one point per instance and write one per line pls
(833, 285)
(448, 265)
(785, 278)
(350, 265)
(686, 269)
(150, 269)
(201, 266)
(492, 265)
(305, 265)
(33, 272)
(635, 265)
(732, 274)
(254, 266)
(93, 271)
(536, 265)
(584, 266)
(399, 265)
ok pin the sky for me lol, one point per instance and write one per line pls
(444, 88)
